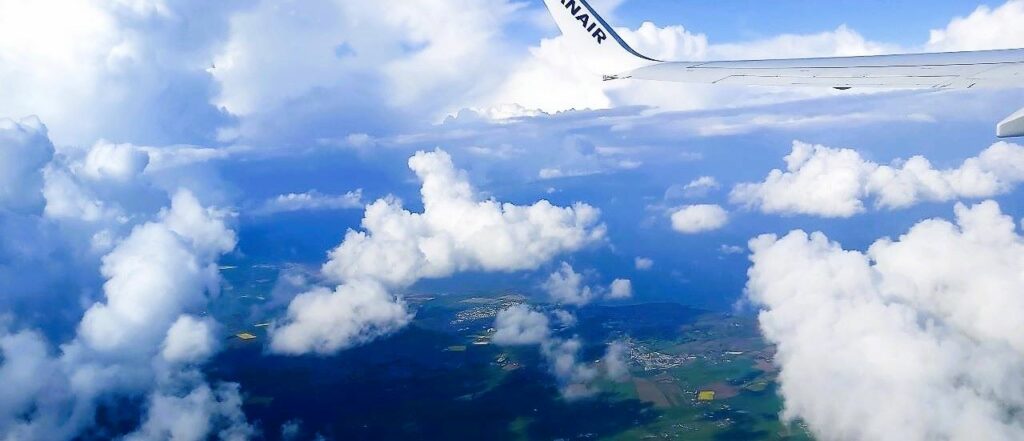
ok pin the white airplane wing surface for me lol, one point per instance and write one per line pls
(585, 28)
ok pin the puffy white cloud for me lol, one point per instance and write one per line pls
(189, 340)
(67, 199)
(25, 149)
(311, 200)
(521, 325)
(831, 182)
(643, 263)
(325, 321)
(138, 338)
(911, 321)
(457, 231)
(985, 28)
(197, 416)
(26, 371)
(620, 289)
(161, 270)
(568, 287)
(205, 228)
(119, 162)
(693, 219)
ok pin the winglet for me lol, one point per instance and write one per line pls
(1012, 126)
(590, 34)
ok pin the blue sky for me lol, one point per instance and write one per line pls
(411, 146)
(736, 21)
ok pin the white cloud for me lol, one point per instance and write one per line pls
(985, 28)
(195, 416)
(566, 286)
(119, 162)
(311, 200)
(520, 325)
(24, 150)
(574, 377)
(830, 182)
(564, 318)
(700, 187)
(123, 57)
(154, 275)
(325, 321)
(615, 361)
(643, 263)
(457, 231)
(189, 340)
(138, 339)
(911, 321)
(695, 219)
(620, 289)
(26, 370)
(402, 61)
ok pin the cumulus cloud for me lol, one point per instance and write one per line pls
(114, 161)
(831, 182)
(310, 200)
(694, 219)
(985, 28)
(26, 371)
(643, 263)
(189, 340)
(154, 275)
(197, 416)
(568, 287)
(457, 231)
(620, 289)
(325, 321)
(24, 149)
(908, 341)
(521, 325)
(138, 340)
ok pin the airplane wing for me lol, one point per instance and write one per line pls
(585, 28)
(954, 70)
